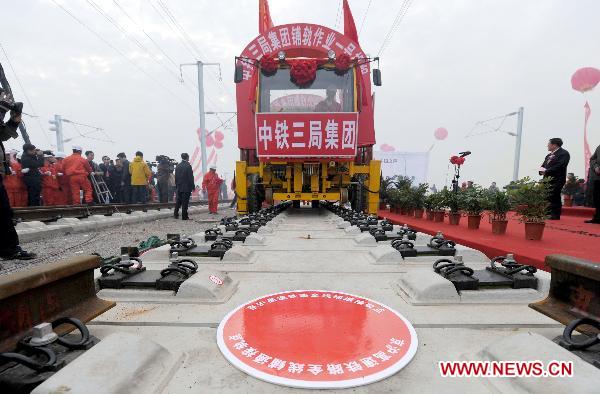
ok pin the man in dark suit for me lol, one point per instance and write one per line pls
(184, 182)
(555, 166)
(594, 183)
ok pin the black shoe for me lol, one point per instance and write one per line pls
(185, 218)
(595, 221)
(19, 254)
(176, 216)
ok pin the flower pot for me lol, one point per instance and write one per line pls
(568, 201)
(473, 221)
(411, 212)
(419, 213)
(396, 209)
(454, 218)
(499, 227)
(534, 230)
(403, 211)
(382, 205)
(430, 214)
(438, 216)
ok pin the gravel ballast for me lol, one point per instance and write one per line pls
(108, 241)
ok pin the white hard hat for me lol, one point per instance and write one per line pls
(13, 152)
(213, 167)
(60, 155)
(77, 147)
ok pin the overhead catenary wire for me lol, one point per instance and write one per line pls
(193, 45)
(362, 24)
(135, 41)
(178, 34)
(108, 43)
(37, 118)
(397, 21)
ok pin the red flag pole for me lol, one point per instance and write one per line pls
(586, 148)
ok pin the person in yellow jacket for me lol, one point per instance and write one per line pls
(140, 173)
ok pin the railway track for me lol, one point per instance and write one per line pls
(53, 213)
(157, 339)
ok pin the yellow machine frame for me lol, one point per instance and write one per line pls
(291, 188)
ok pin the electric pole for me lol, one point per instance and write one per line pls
(57, 122)
(200, 65)
(518, 144)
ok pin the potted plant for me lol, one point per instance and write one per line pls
(437, 201)
(393, 198)
(498, 204)
(474, 204)
(569, 190)
(428, 204)
(453, 200)
(530, 201)
(418, 199)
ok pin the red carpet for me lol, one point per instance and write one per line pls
(569, 236)
(578, 211)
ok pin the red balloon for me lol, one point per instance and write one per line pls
(218, 144)
(585, 79)
(219, 136)
(440, 133)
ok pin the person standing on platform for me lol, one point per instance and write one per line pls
(140, 173)
(125, 180)
(31, 161)
(163, 170)
(594, 182)
(115, 180)
(64, 195)
(50, 186)
(107, 169)
(9, 239)
(13, 182)
(78, 170)
(212, 184)
(555, 167)
(184, 184)
(234, 200)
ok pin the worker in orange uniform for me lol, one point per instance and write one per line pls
(212, 183)
(13, 182)
(78, 169)
(50, 186)
(64, 190)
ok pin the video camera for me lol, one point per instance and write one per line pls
(7, 103)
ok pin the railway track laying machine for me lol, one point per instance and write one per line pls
(306, 119)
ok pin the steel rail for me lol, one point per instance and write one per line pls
(53, 213)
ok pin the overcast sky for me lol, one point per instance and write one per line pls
(450, 64)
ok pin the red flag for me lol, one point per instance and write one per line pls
(264, 17)
(349, 26)
(586, 148)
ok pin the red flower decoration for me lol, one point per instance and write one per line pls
(304, 71)
(342, 63)
(268, 65)
(457, 161)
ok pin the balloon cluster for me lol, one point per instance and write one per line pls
(215, 139)
(457, 160)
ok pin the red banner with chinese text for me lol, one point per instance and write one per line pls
(306, 134)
